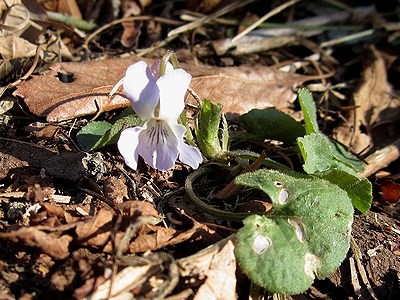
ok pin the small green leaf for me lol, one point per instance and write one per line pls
(318, 155)
(89, 135)
(309, 110)
(207, 128)
(98, 134)
(305, 236)
(359, 190)
(111, 136)
(271, 124)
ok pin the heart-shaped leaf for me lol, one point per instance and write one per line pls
(305, 235)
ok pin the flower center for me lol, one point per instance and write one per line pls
(157, 134)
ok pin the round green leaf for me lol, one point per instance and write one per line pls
(305, 236)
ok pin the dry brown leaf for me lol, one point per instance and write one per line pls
(50, 243)
(134, 209)
(18, 19)
(238, 89)
(132, 31)
(12, 47)
(120, 286)
(95, 231)
(221, 277)
(153, 237)
(375, 104)
(217, 264)
(47, 96)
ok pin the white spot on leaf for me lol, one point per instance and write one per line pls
(283, 196)
(313, 263)
(298, 228)
(260, 244)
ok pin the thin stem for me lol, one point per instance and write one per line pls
(169, 56)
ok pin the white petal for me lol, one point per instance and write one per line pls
(141, 89)
(172, 87)
(187, 154)
(158, 145)
(127, 145)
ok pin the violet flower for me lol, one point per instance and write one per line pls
(158, 101)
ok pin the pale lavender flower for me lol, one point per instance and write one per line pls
(158, 101)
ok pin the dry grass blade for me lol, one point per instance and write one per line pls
(272, 13)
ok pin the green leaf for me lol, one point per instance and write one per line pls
(359, 190)
(111, 136)
(207, 129)
(271, 124)
(89, 134)
(305, 236)
(342, 155)
(309, 110)
(318, 155)
(98, 134)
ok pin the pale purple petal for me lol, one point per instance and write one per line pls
(172, 87)
(187, 154)
(158, 145)
(155, 68)
(127, 145)
(141, 89)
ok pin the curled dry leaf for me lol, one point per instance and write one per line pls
(238, 89)
(69, 7)
(374, 102)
